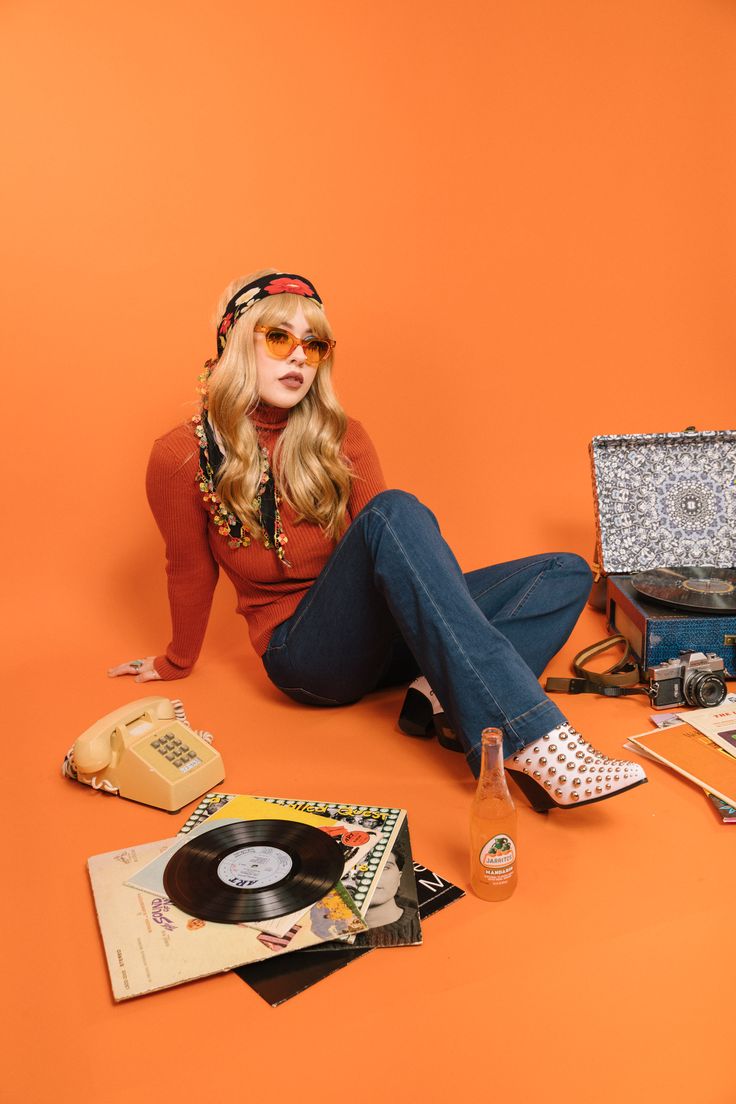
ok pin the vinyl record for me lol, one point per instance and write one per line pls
(705, 589)
(253, 870)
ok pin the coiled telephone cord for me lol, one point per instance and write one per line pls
(181, 716)
(69, 770)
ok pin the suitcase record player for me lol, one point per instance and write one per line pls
(666, 541)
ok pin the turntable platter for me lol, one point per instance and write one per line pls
(701, 589)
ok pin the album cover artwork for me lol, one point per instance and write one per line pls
(355, 844)
(362, 880)
(277, 981)
(726, 813)
(393, 913)
(151, 944)
(363, 838)
(719, 725)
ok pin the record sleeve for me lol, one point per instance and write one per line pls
(150, 944)
(393, 914)
(726, 813)
(278, 981)
(360, 880)
(235, 808)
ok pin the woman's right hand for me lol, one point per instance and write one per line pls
(142, 670)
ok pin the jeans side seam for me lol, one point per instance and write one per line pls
(527, 593)
(451, 634)
(551, 560)
(369, 509)
(519, 571)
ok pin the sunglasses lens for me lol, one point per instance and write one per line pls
(316, 350)
(279, 343)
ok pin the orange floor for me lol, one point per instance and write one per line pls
(520, 216)
(606, 977)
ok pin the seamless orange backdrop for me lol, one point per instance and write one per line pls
(520, 216)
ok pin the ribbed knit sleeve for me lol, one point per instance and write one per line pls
(368, 478)
(192, 572)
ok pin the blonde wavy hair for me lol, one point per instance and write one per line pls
(310, 472)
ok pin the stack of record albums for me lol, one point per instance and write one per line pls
(700, 745)
(283, 891)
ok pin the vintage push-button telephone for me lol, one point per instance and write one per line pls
(146, 752)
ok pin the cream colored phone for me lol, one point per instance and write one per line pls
(146, 752)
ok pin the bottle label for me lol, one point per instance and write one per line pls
(497, 858)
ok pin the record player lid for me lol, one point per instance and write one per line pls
(665, 498)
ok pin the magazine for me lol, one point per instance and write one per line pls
(687, 750)
(718, 723)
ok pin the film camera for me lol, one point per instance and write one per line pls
(693, 679)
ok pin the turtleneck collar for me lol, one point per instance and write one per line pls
(269, 417)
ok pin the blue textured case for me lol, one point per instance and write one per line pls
(665, 500)
(657, 633)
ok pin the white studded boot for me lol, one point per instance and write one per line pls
(560, 771)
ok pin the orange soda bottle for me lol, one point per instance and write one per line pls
(493, 825)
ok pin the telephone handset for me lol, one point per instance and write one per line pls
(145, 751)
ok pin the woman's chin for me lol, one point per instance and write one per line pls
(282, 398)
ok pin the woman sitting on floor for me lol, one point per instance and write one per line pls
(346, 586)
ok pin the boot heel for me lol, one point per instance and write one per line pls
(536, 795)
(415, 718)
(445, 735)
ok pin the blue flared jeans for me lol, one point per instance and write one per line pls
(392, 602)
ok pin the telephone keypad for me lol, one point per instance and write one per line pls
(176, 751)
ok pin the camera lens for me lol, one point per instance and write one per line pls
(704, 690)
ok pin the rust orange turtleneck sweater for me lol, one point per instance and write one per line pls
(267, 589)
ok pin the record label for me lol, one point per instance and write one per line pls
(254, 867)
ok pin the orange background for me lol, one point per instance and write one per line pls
(520, 216)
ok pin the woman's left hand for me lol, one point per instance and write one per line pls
(142, 670)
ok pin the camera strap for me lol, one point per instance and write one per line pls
(620, 679)
(584, 686)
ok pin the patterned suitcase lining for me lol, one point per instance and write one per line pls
(665, 499)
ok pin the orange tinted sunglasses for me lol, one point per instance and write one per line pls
(281, 344)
